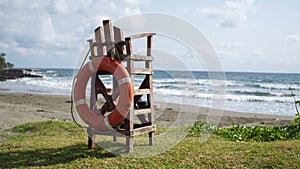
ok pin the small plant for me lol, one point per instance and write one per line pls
(201, 128)
(260, 133)
(296, 121)
(243, 133)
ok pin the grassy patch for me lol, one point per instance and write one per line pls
(243, 133)
(259, 133)
(55, 144)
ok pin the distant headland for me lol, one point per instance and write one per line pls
(8, 72)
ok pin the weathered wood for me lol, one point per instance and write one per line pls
(143, 130)
(140, 129)
(141, 91)
(109, 40)
(152, 138)
(140, 71)
(138, 58)
(151, 116)
(129, 144)
(115, 138)
(142, 35)
(118, 35)
(150, 101)
(92, 48)
(128, 46)
(108, 34)
(149, 45)
(99, 44)
(142, 111)
(99, 40)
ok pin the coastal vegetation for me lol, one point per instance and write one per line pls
(3, 63)
(257, 133)
(7, 72)
(55, 144)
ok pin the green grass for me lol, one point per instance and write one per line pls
(54, 144)
(257, 133)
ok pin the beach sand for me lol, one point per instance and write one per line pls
(18, 109)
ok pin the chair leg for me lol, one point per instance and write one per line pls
(129, 144)
(115, 139)
(152, 138)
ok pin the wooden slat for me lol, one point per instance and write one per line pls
(108, 34)
(142, 35)
(118, 35)
(141, 91)
(99, 40)
(139, 58)
(143, 130)
(140, 71)
(128, 46)
(149, 45)
(123, 132)
(99, 44)
(93, 49)
(142, 111)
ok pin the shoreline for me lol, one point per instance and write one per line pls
(17, 108)
(6, 91)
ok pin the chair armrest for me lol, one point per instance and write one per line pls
(149, 42)
(141, 35)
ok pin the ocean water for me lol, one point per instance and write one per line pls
(267, 93)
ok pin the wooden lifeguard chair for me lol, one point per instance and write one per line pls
(109, 42)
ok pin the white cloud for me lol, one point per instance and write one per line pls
(228, 45)
(228, 49)
(292, 38)
(257, 53)
(54, 27)
(225, 54)
(232, 14)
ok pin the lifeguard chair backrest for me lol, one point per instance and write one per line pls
(107, 37)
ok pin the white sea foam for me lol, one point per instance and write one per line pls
(240, 93)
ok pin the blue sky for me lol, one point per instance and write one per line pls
(248, 35)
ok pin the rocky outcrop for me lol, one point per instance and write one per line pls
(7, 74)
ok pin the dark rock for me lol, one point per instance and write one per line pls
(7, 74)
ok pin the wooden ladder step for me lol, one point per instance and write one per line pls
(140, 71)
(141, 91)
(138, 58)
(143, 130)
(142, 111)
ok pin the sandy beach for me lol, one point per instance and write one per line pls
(23, 108)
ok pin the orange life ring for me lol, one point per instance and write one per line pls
(125, 93)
